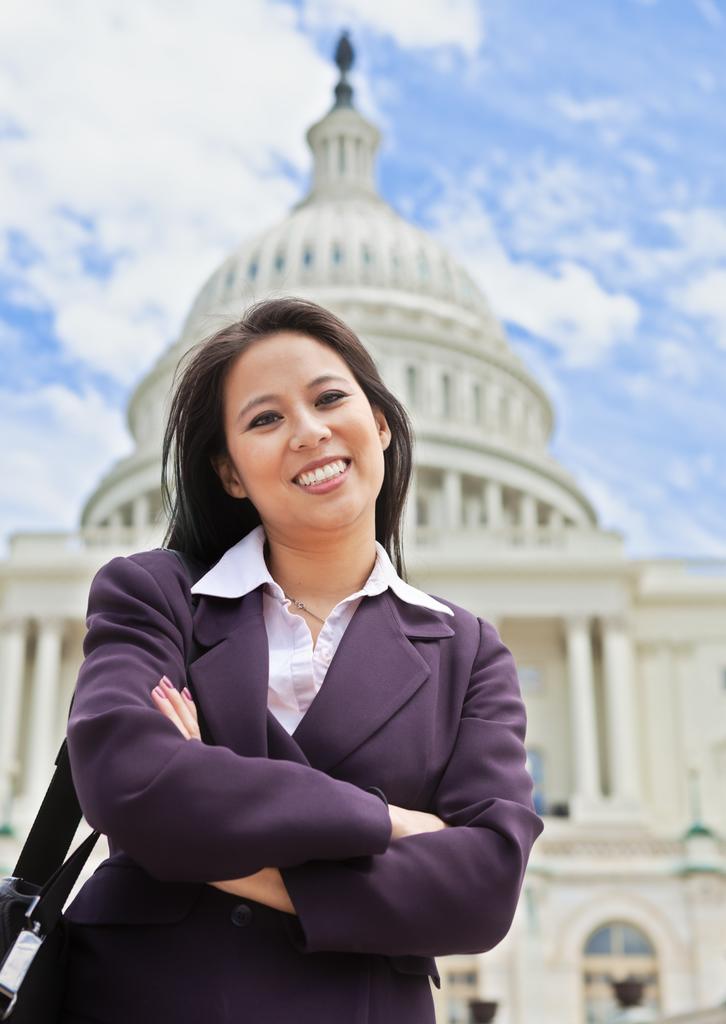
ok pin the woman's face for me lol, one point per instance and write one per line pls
(301, 419)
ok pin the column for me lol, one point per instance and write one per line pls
(12, 664)
(587, 787)
(141, 511)
(528, 513)
(493, 504)
(44, 700)
(621, 711)
(452, 498)
(409, 514)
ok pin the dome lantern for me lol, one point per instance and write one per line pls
(343, 143)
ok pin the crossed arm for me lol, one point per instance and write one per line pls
(348, 877)
(267, 886)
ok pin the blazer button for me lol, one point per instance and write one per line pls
(241, 914)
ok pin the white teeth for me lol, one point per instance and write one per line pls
(322, 473)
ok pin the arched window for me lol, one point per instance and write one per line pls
(613, 952)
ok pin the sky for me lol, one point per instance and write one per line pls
(570, 155)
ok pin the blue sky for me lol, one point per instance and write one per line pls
(571, 155)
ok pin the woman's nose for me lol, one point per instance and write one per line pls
(309, 431)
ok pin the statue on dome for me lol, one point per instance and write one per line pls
(344, 57)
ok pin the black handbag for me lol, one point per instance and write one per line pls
(33, 932)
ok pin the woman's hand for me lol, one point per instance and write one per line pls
(412, 823)
(265, 886)
(178, 708)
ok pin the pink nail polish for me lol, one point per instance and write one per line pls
(187, 694)
(167, 683)
(159, 692)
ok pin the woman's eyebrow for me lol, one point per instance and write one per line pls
(322, 379)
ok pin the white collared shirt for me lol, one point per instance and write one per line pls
(296, 669)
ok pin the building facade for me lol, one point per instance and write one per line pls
(622, 662)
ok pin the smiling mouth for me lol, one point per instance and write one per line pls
(313, 479)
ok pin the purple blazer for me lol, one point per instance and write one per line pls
(424, 706)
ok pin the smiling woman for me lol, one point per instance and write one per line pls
(219, 438)
(254, 815)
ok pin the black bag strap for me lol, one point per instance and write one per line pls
(59, 815)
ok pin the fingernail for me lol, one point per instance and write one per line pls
(187, 694)
(167, 683)
(159, 692)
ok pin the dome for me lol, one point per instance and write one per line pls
(482, 422)
(360, 244)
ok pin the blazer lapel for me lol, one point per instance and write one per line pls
(230, 680)
(375, 670)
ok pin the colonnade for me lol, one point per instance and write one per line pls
(32, 697)
(620, 710)
(453, 508)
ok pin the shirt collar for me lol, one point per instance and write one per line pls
(242, 568)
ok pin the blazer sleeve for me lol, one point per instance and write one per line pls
(185, 810)
(451, 891)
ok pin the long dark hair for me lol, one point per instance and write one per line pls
(203, 519)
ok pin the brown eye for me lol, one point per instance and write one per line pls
(326, 399)
(260, 421)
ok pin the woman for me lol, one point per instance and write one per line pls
(360, 802)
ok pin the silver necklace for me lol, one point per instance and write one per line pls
(299, 604)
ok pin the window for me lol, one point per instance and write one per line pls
(476, 401)
(447, 402)
(422, 511)
(423, 266)
(535, 767)
(252, 270)
(613, 952)
(279, 261)
(412, 384)
(459, 989)
(366, 256)
(308, 256)
(337, 254)
(531, 679)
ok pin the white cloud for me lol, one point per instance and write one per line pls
(596, 110)
(676, 361)
(700, 230)
(151, 136)
(568, 306)
(710, 12)
(705, 297)
(412, 24)
(57, 443)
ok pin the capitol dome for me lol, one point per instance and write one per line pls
(482, 422)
